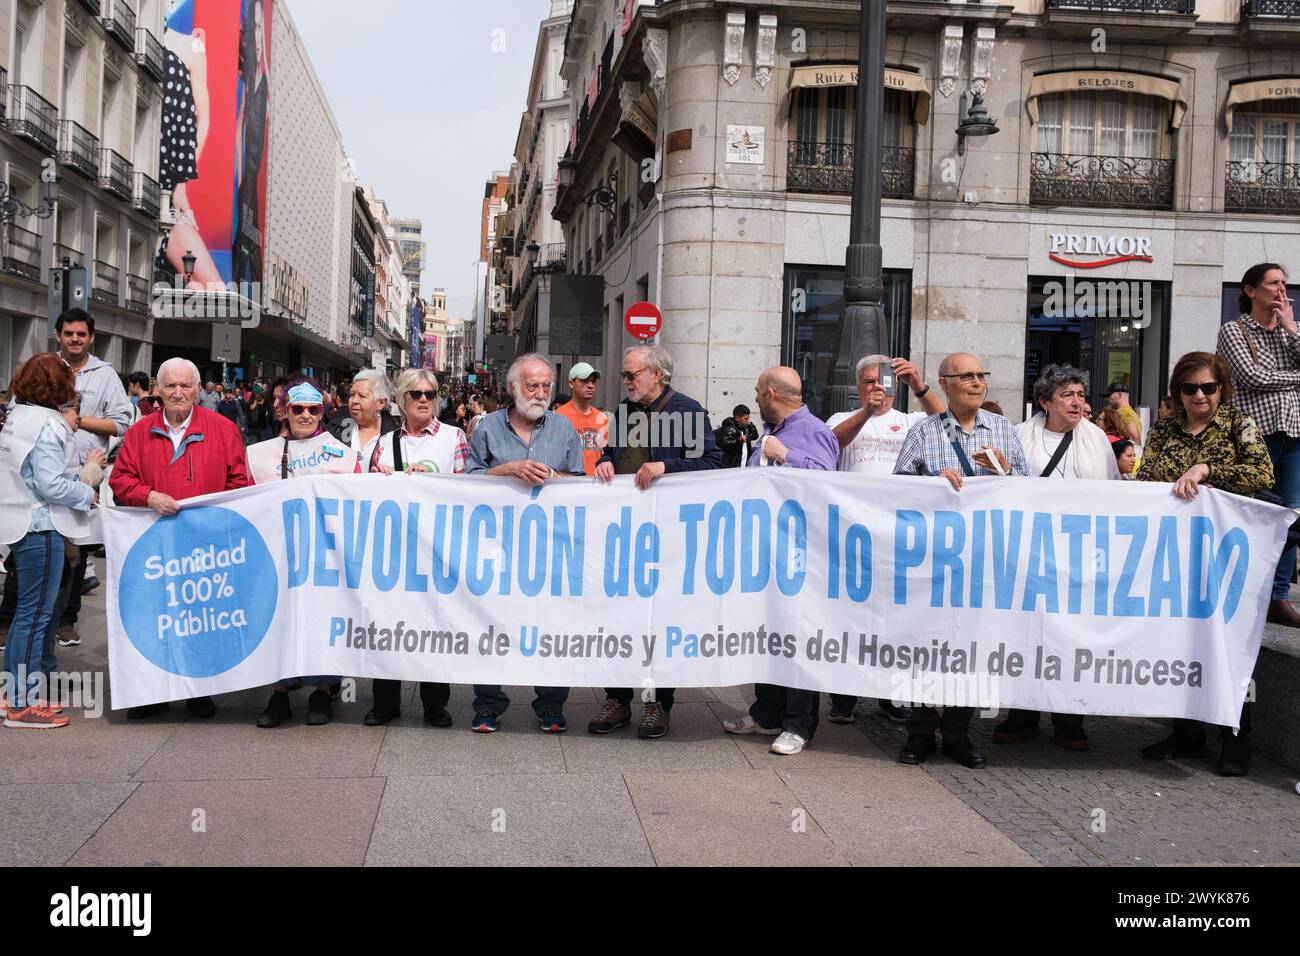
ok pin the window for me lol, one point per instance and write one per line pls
(1267, 135)
(825, 116)
(1102, 124)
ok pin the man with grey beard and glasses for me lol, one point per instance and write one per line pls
(533, 445)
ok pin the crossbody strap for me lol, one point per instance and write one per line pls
(952, 425)
(1250, 340)
(1061, 449)
(397, 451)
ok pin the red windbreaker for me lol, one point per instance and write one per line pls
(210, 459)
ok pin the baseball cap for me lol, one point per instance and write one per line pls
(1116, 387)
(582, 371)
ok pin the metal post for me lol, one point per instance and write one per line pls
(864, 329)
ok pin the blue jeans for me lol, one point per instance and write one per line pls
(492, 697)
(49, 656)
(1285, 452)
(38, 562)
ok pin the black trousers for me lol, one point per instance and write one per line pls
(387, 695)
(954, 722)
(1196, 729)
(73, 610)
(623, 695)
(10, 602)
(794, 710)
(1031, 718)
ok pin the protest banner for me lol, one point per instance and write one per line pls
(1064, 596)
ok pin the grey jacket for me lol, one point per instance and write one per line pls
(102, 396)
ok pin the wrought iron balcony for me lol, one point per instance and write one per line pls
(79, 149)
(104, 284)
(148, 195)
(115, 175)
(119, 23)
(1118, 182)
(91, 5)
(828, 168)
(149, 53)
(1254, 186)
(62, 252)
(33, 118)
(551, 253)
(1286, 9)
(137, 293)
(22, 252)
(4, 93)
(1125, 6)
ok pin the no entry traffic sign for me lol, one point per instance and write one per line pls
(643, 321)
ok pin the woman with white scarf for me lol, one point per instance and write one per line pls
(1060, 442)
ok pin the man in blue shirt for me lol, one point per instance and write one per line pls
(963, 442)
(531, 444)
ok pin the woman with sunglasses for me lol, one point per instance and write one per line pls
(423, 445)
(1206, 442)
(307, 449)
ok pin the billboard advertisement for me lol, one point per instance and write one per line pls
(215, 139)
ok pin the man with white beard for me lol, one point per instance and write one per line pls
(527, 442)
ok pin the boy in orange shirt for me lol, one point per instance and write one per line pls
(591, 424)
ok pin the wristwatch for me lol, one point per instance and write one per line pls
(924, 392)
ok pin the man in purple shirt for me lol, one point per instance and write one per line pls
(793, 437)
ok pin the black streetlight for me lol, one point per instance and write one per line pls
(11, 205)
(188, 263)
(864, 329)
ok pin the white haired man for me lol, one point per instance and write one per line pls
(181, 451)
(532, 445)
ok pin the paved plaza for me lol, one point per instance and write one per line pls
(174, 791)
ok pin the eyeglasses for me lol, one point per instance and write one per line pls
(968, 378)
(416, 394)
(629, 376)
(306, 409)
(1191, 388)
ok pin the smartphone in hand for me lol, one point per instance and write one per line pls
(888, 380)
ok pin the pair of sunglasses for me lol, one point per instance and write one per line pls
(1191, 388)
(307, 409)
(416, 394)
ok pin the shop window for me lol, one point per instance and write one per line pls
(810, 339)
(821, 147)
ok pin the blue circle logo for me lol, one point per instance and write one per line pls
(198, 592)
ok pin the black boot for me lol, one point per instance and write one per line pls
(1234, 758)
(277, 710)
(320, 708)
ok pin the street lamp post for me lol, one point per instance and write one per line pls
(864, 329)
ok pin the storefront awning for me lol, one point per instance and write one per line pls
(1255, 91)
(1107, 81)
(833, 74)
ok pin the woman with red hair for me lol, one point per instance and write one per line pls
(39, 507)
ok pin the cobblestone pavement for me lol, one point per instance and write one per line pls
(1110, 807)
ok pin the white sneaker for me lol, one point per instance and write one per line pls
(788, 744)
(746, 725)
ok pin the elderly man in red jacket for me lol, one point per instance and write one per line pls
(182, 451)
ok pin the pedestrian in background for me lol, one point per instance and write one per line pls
(735, 437)
(591, 424)
(1262, 349)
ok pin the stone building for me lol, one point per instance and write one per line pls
(80, 95)
(1146, 154)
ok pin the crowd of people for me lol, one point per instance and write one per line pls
(1231, 421)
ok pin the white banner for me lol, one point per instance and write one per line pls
(1064, 596)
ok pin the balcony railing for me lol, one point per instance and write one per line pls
(91, 5)
(137, 293)
(1118, 182)
(79, 149)
(115, 175)
(1270, 8)
(4, 93)
(551, 253)
(147, 196)
(828, 168)
(62, 252)
(119, 23)
(104, 285)
(33, 118)
(1253, 186)
(22, 252)
(1126, 6)
(149, 53)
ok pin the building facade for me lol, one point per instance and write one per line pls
(1145, 156)
(81, 96)
(435, 333)
(492, 294)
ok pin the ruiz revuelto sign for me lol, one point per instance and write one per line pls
(1109, 249)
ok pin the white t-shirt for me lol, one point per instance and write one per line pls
(876, 448)
(1067, 467)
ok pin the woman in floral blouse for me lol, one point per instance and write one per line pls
(1206, 442)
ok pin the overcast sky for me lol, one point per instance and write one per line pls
(428, 108)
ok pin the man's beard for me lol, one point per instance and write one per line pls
(532, 409)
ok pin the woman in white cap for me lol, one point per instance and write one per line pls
(307, 450)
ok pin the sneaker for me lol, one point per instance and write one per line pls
(89, 585)
(842, 711)
(788, 744)
(898, 713)
(36, 718)
(320, 708)
(553, 722)
(654, 724)
(613, 715)
(747, 725)
(277, 711)
(484, 722)
(68, 636)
